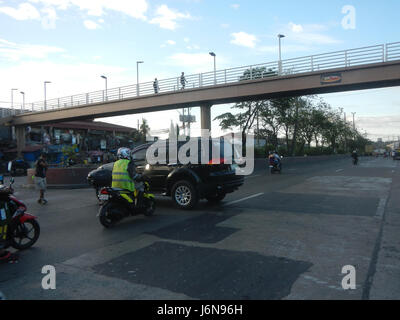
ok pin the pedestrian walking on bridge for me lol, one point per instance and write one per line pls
(183, 80)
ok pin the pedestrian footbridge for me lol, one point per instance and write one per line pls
(355, 69)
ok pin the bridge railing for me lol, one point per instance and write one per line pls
(393, 51)
(326, 61)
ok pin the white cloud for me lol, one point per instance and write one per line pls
(168, 43)
(309, 34)
(91, 25)
(135, 9)
(25, 11)
(296, 27)
(235, 6)
(13, 51)
(186, 39)
(59, 4)
(244, 39)
(167, 18)
(225, 25)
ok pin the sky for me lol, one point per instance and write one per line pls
(73, 42)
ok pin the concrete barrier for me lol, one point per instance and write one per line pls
(74, 177)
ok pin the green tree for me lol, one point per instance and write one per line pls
(144, 130)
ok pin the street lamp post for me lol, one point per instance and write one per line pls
(354, 123)
(12, 98)
(23, 100)
(280, 36)
(215, 66)
(137, 76)
(45, 99)
(105, 78)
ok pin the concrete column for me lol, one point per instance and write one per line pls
(205, 115)
(20, 135)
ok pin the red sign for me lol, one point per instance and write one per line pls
(331, 78)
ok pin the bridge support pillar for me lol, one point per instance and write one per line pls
(20, 135)
(205, 115)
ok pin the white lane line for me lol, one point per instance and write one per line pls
(381, 208)
(243, 199)
(339, 170)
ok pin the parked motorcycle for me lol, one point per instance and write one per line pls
(115, 207)
(23, 230)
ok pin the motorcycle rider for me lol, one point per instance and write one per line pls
(274, 158)
(123, 176)
(354, 155)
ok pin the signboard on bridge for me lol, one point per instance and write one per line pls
(331, 78)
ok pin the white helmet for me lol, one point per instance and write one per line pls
(124, 153)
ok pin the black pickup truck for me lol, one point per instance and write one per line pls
(186, 184)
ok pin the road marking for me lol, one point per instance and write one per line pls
(381, 208)
(339, 170)
(243, 199)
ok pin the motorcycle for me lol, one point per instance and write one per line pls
(275, 166)
(23, 230)
(115, 207)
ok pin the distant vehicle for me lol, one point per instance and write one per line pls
(18, 166)
(275, 165)
(186, 184)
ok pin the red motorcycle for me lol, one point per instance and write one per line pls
(23, 230)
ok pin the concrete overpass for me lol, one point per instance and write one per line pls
(355, 69)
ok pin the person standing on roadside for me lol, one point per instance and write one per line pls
(40, 177)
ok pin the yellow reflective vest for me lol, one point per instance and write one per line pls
(120, 176)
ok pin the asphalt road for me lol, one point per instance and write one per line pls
(282, 236)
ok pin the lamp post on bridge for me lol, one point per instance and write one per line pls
(354, 123)
(45, 102)
(137, 76)
(105, 78)
(12, 98)
(280, 36)
(23, 100)
(215, 66)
